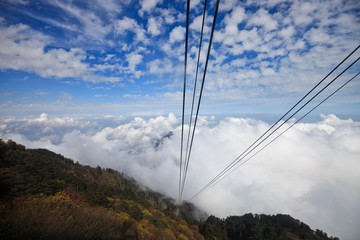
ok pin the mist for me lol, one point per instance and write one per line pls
(311, 172)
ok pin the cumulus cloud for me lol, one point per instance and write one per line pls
(264, 19)
(227, 5)
(197, 23)
(233, 19)
(311, 172)
(148, 5)
(158, 66)
(133, 60)
(126, 24)
(294, 41)
(302, 13)
(154, 26)
(44, 128)
(24, 49)
(177, 34)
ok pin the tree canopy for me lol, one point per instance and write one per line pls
(44, 195)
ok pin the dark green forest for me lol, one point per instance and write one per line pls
(44, 195)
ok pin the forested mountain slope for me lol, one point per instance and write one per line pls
(44, 195)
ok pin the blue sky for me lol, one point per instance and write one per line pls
(97, 58)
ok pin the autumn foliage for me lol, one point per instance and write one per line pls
(44, 195)
(47, 196)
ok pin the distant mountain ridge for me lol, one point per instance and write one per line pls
(44, 195)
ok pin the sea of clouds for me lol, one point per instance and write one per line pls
(311, 172)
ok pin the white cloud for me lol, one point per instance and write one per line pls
(177, 34)
(100, 95)
(264, 19)
(233, 19)
(229, 34)
(227, 5)
(194, 4)
(154, 26)
(171, 16)
(49, 124)
(303, 13)
(291, 46)
(126, 24)
(317, 36)
(23, 49)
(311, 172)
(110, 6)
(41, 93)
(133, 59)
(130, 96)
(66, 96)
(91, 25)
(197, 22)
(45, 128)
(287, 32)
(160, 66)
(3, 127)
(109, 57)
(251, 39)
(148, 5)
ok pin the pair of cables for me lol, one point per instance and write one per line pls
(185, 158)
(239, 161)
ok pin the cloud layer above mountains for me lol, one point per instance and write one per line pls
(311, 172)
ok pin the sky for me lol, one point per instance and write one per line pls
(100, 81)
(126, 58)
